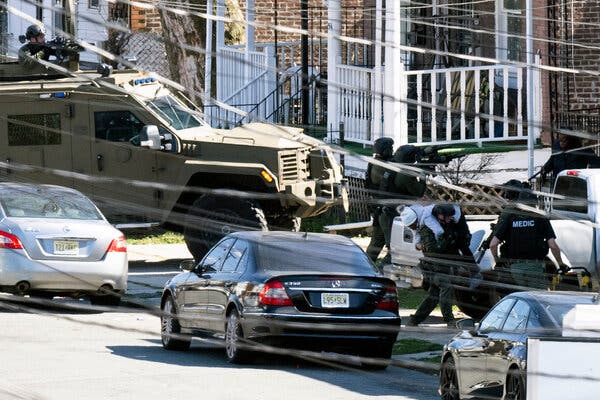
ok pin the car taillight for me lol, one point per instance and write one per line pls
(8, 241)
(118, 245)
(389, 300)
(274, 294)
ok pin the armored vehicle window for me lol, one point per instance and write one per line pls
(33, 129)
(117, 126)
(178, 116)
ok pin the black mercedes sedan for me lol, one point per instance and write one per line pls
(284, 289)
(489, 359)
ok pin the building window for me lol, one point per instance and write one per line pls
(94, 3)
(509, 26)
(34, 129)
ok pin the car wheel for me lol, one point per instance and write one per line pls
(515, 386)
(170, 330)
(212, 217)
(234, 340)
(449, 381)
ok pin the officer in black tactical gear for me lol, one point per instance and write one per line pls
(36, 46)
(444, 254)
(526, 239)
(377, 183)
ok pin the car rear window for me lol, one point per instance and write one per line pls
(312, 256)
(32, 203)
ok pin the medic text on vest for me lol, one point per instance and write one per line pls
(523, 224)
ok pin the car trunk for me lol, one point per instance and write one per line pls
(59, 239)
(334, 294)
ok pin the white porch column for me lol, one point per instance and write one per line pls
(220, 43)
(530, 85)
(334, 30)
(394, 105)
(208, 53)
(378, 91)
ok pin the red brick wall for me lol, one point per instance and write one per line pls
(146, 20)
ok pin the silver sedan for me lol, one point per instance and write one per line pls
(55, 241)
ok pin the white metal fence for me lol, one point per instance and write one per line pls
(470, 104)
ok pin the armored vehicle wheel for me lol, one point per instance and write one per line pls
(212, 217)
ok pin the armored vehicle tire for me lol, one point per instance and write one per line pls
(212, 217)
(476, 303)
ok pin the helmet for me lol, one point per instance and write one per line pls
(34, 31)
(446, 210)
(384, 147)
(408, 216)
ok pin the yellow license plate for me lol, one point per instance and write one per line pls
(335, 300)
(63, 247)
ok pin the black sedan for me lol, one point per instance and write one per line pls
(300, 290)
(488, 360)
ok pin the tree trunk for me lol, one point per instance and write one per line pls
(185, 40)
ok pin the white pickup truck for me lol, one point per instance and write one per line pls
(575, 217)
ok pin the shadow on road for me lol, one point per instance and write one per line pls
(380, 383)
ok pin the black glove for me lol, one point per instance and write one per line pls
(563, 268)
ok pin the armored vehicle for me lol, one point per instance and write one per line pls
(145, 155)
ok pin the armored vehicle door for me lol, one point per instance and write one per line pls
(35, 139)
(123, 171)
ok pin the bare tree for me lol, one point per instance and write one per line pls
(185, 41)
(465, 168)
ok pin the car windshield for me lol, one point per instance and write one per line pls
(40, 203)
(178, 116)
(312, 256)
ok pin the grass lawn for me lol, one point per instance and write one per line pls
(410, 346)
(152, 236)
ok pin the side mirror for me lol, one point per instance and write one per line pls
(466, 324)
(187, 265)
(150, 137)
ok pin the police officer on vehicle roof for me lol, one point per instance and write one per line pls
(36, 46)
(526, 239)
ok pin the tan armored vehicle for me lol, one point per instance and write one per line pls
(144, 156)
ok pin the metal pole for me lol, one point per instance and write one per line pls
(530, 89)
(304, 50)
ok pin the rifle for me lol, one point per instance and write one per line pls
(62, 48)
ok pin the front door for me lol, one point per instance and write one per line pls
(37, 144)
(124, 173)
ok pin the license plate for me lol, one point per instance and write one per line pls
(335, 300)
(62, 247)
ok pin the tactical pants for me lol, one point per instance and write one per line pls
(440, 291)
(530, 274)
(381, 235)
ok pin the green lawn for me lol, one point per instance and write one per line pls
(152, 236)
(410, 346)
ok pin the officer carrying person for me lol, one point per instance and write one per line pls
(36, 46)
(525, 238)
(444, 252)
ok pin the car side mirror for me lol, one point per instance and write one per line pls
(187, 265)
(150, 137)
(467, 324)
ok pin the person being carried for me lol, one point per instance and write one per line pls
(526, 239)
(36, 47)
(443, 254)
